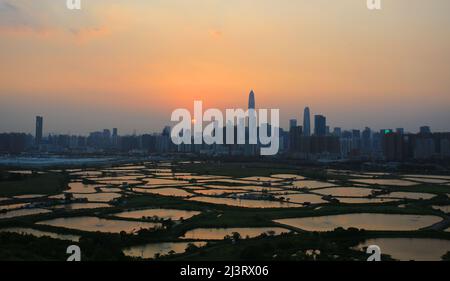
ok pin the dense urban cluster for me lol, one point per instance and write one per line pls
(299, 142)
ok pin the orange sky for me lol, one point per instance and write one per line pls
(128, 64)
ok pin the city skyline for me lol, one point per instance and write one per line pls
(321, 126)
(130, 64)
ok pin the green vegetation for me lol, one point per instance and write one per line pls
(49, 183)
(334, 245)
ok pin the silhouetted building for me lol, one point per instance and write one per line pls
(337, 132)
(366, 141)
(395, 147)
(425, 130)
(251, 100)
(320, 125)
(13, 142)
(306, 122)
(292, 123)
(39, 129)
(295, 135)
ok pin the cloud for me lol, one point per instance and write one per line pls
(19, 18)
(47, 19)
(83, 35)
(215, 33)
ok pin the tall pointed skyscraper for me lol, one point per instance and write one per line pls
(251, 100)
(306, 122)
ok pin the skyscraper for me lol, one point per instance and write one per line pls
(425, 130)
(306, 122)
(39, 129)
(292, 123)
(320, 125)
(251, 100)
(115, 137)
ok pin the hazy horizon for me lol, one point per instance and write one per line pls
(129, 64)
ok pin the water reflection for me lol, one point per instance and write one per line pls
(39, 233)
(98, 224)
(160, 213)
(245, 203)
(23, 212)
(406, 249)
(220, 233)
(365, 221)
(149, 251)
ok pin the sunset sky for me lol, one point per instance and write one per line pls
(129, 63)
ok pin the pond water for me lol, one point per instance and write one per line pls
(394, 182)
(29, 196)
(445, 209)
(406, 249)
(98, 197)
(87, 173)
(196, 177)
(311, 184)
(245, 203)
(80, 206)
(79, 187)
(160, 213)
(429, 177)
(427, 180)
(365, 221)
(160, 181)
(227, 181)
(23, 212)
(110, 189)
(13, 206)
(119, 181)
(408, 195)
(149, 251)
(216, 192)
(169, 191)
(193, 187)
(287, 176)
(346, 191)
(220, 233)
(39, 233)
(94, 224)
(247, 188)
(362, 200)
(260, 179)
(303, 198)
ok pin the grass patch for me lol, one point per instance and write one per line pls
(35, 184)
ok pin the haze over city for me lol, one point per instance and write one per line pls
(128, 64)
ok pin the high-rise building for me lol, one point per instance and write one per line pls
(425, 130)
(292, 123)
(337, 132)
(306, 122)
(366, 140)
(39, 129)
(320, 125)
(251, 100)
(115, 138)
